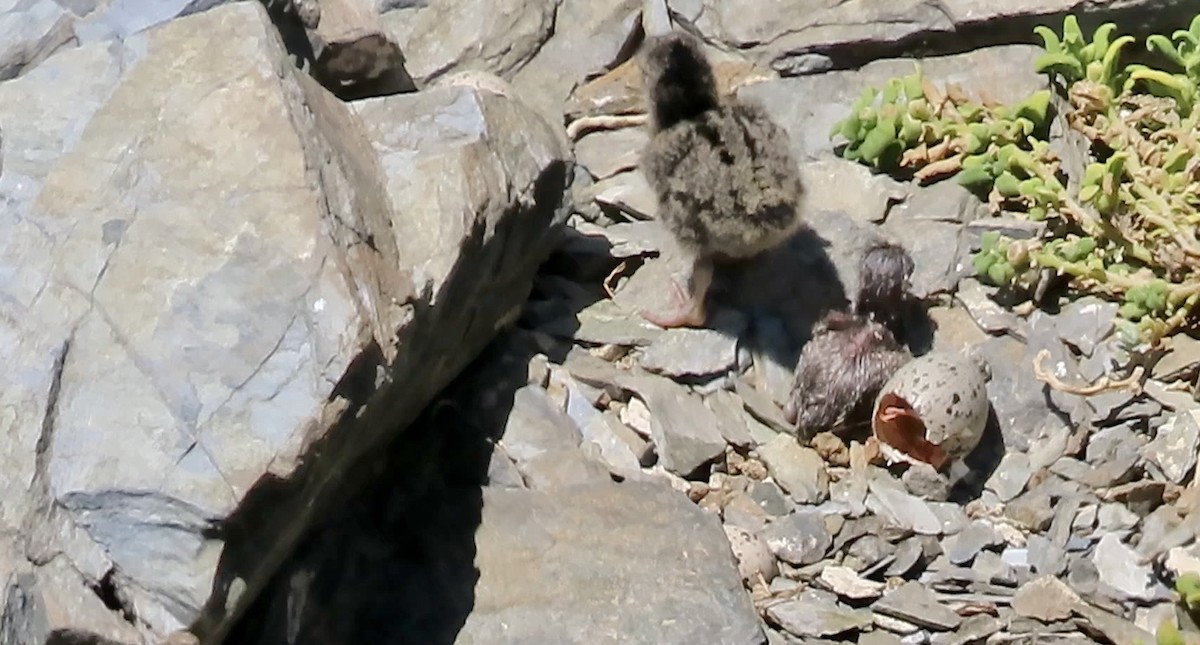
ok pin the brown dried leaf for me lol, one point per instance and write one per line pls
(955, 93)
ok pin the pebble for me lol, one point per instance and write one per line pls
(913, 603)
(683, 429)
(798, 470)
(800, 538)
(814, 614)
(690, 352)
(962, 548)
(1011, 476)
(901, 509)
(753, 557)
(1176, 445)
(1118, 567)
(846, 583)
(1045, 598)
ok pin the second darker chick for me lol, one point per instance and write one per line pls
(725, 180)
(840, 371)
(884, 274)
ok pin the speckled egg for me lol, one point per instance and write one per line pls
(949, 392)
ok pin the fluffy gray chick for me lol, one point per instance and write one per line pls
(726, 183)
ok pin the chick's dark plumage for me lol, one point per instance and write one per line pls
(852, 354)
(725, 180)
(840, 371)
(884, 295)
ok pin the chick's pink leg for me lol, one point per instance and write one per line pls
(686, 306)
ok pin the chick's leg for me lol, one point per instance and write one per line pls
(686, 306)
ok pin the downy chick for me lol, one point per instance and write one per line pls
(852, 355)
(884, 295)
(725, 180)
(840, 372)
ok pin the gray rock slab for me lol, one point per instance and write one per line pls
(440, 38)
(30, 32)
(605, 564)
(557, 469)
(683, 429)
(808, 106)
(914, 603)
(799, 538)
(609, 152)
(797, 469)
(196, 304)
(902, 509)
(1120, 568)
(691, 352)
(536, 425)
(1176, 445)
(814, 614)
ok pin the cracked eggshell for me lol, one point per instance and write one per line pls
(949, 393)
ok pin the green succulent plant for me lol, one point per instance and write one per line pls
(1128, 230)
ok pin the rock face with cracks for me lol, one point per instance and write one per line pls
(221, 287)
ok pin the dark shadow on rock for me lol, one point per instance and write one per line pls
(982, 461)
(792, 286)
(919, 328)
(395, 564)
(348, 467)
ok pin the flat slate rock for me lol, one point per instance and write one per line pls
(610, 563)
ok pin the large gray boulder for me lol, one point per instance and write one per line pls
(219, 288)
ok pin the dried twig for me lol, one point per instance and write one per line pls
(585, 124)
(613, 275)
(1131, 383)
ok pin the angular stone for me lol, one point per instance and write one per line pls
(962, 548)
(604, 323)
(1176, 445)
(691, 352)
(901, 509)
(440, 38)
(974, 629)
(556, 469)
(588, 38)
(554, 563)
(617, 444)
(353, 54)
(914, 603)
(753, 557)
(627, 193)
(535, 425)
(814, 614)
(798, 470)
(502, 471)
(48, 601)
(1119, 568)
(31, 32)
(607, 153)
(731, 417)
(846, 583)
(1010, 476)
(800, 538)
(1045, 598)
(760, 405)
(683, 429)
